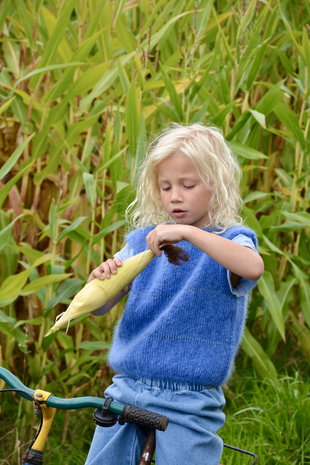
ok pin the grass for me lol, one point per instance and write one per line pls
(268, 417)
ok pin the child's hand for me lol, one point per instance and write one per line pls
(104, 270)
(165, 234)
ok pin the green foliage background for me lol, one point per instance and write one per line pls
(83, 86)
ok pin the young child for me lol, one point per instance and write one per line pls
(175, 344)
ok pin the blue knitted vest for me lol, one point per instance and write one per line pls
(181, 323)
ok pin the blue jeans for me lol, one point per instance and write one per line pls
(195, 415)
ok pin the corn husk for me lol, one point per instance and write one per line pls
(96, 293)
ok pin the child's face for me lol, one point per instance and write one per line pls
(184, 196)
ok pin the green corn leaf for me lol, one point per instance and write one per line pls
(260, 118)
(20, 110)
(64, 51)
(6, 105)
(15, 156)
(66, 290)
(105, 82)
(291, 32)
(6, 5)
(141, 149)
(89, 80)
(132, 117)
(66, 84)
(15, 334)
(4, 318)
(303, 281)
(273, 96)
(11, 287)
(28, 251)
(301, 217)
(301, 332)
(89, 183)
(50, 50)
(239, 125)
(246, 19)
(34, 321)
(72, 227)
(26, 20)
(8, 260)
(245, 151)
(123, 78)
(10, 50)
(6, 233)
(174, 98)
(288, 226)
(96, 18)
(285, 288)
(159, 35)
(52, 165)
(255, 196)
(53, 220)
(80, 235)
(42, 259)
(76, 129)
(5, 190)
(257, 63)
(306, 46)
(94, 345)
(104, 232)
(42, 282)
(290, 120)
(267, 289)
(43, 70)
(261, 361)
(125, 36)
(272, 247)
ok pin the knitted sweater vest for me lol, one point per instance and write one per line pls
(181, 323)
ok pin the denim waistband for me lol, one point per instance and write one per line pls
(174, 385)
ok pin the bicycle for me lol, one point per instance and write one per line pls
(107, 413)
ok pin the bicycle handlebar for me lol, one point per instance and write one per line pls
(125, 412)
(139, 416)
(128, 413)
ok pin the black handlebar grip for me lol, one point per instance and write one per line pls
(132, 414)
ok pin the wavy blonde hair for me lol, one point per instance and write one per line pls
(214, 162)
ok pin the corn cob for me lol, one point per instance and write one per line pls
(96, 293)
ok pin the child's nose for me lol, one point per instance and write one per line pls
(176, 194)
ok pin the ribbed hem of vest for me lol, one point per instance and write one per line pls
(167, 384)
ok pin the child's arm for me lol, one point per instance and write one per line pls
(240, 260)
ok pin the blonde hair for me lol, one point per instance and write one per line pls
(214, 162)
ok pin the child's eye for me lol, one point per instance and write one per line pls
(190, 187)
(165, 188)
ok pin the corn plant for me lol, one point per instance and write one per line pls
(83, 86)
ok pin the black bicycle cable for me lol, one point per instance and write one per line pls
(243, 451)
(37, 403)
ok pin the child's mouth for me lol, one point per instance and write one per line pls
(178, 213)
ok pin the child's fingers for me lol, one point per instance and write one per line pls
(153, 242)
(118, 262)
(105, 269)
(113, 264)
(96, 273)
(110, 267)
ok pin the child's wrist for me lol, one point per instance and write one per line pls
(188, 232)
